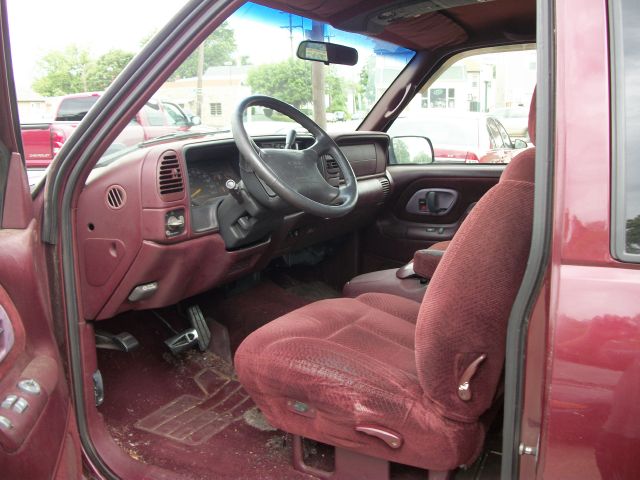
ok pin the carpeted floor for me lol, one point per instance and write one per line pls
(242, 313)
(188, 413)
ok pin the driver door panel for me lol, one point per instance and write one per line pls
(400, 230)
(38, 435)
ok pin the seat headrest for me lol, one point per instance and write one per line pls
(521, 168)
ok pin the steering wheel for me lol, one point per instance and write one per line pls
(294, 174)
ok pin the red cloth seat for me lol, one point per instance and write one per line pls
(423, 372)
(354, 364)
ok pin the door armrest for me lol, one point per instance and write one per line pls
(426, 261)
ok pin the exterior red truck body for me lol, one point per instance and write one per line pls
(589, 424)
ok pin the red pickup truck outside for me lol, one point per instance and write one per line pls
(42, 141)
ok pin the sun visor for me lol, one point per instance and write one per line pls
(383, 18)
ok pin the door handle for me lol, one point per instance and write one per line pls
(432, 203)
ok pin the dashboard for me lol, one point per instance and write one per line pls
(207, 180)
(148, 228)
(208, 171)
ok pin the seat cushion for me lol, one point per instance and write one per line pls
(352, 362)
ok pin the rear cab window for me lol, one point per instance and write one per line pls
(74, 109)
(625, 97)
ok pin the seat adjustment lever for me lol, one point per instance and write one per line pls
(464, 389)
(393, 439)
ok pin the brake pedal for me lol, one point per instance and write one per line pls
(123, 341)
(199, 324)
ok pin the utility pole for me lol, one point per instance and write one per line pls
(291, 33)
(291, 27)
(318, 80)
(199, 82)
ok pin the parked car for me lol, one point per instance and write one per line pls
(42, 141)
(179, 310)
(514, 120)
(461, 137)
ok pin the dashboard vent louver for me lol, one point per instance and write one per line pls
(116, 197)
(386, 188)
(170, 178)
(332, 170)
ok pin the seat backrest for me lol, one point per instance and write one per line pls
(464, 313)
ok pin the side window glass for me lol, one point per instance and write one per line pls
(473, 107)
(625, 69)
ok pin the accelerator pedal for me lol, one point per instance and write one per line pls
(182, 341)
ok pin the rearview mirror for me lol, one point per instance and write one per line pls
(195, 120)
(411, 150)
(327, 53)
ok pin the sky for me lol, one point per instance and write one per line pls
(37, 27)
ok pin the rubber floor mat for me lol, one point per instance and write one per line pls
(192, 419)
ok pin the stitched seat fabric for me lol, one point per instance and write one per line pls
(424, 372)
(354, 364)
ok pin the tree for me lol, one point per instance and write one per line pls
(422, 158)
(63, 72)
(289, 81)
(104, 70)
(366, 86)
(336, 87)
(72, 70)
(218, 50)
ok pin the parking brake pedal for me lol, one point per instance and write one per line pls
(124, 341)
(199, 324)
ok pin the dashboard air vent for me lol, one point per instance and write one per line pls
(386, 188)
(332, 171)
(170, 178)
(116, 197)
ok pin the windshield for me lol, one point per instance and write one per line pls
(254, 52)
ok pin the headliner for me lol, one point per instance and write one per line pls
(497, 21)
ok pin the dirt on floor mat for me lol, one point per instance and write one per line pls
(193, 420)
(140, 386)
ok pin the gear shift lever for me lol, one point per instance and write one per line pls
(291, 139)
